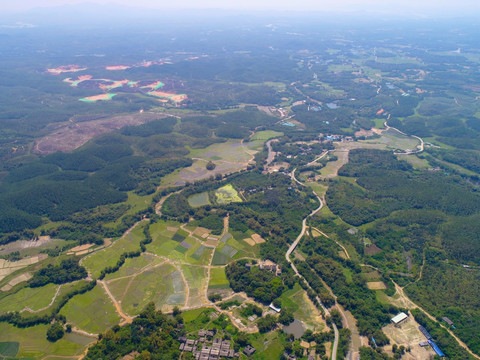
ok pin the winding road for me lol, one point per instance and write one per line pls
(292, 248)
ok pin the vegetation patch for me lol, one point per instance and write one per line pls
(92, 311)
(226, 195)
(9, 349)
(218, 279)
(198, 200)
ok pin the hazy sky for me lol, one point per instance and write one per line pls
(416, 7)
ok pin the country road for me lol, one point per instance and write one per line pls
(287, 257)
(422, 144)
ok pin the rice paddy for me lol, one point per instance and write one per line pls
(33, 344)
(109, 256)
(27, 297)
(218, 279)
(153, 285)
(92, 312)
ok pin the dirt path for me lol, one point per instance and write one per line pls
(271, 153)
(126, 319)
(328, 237)
(158, 206)
(318, 158)
(46, 307)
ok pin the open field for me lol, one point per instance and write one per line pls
(376, 285)
(109, 256)
(227, 194)
(269, 345)
(229, 157)
(68, 136)
(415, 161)
(394, 140)
(9, 267)
(33, 341)
(135, 265)
(408, 335)
(196, 278)
(188, 250)
(297, 301)
(198, 200)
(218, 279)
(265, 135)
(154, 284)
(92, 312)
(33, 298)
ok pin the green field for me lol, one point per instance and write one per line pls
(9, 349)
(92, 312)
(198, 200)
(164, 245)
(218, 279)
(269, 346)
(133, 266)
(394, 140)
(154, 285)
(196, 278)
(297, 302)
(109, 256)
(34, 298)
(136, 203)
(227, 194)
(33, 342)
(265, 135)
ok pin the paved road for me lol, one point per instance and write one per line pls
(287, 257)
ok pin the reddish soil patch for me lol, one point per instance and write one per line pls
(65, 68)
(113, 85)
(71, 135)
(376, 285)
(98, 97)
(117, 67)
(372, 250)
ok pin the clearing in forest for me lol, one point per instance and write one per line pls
(95, 98)
(198, 200)
(227, 194)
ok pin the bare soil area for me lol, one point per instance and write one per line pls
(74, 134)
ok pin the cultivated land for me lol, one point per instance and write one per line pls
(382, 98)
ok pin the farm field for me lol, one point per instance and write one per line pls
(218, 279)
(265, 135)
(33, 298)
(196, 278)
(95, 98)
(92, 312)
(394, 140)
(182, 248)
(109, 256)
(34, 345)
(134, 266)
(154, 284)
(198, 200)
(229, 157)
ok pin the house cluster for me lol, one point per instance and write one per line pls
(267, 265)
(210, 350)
